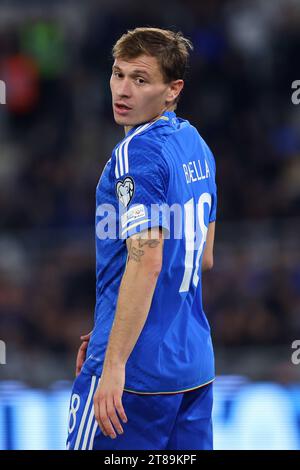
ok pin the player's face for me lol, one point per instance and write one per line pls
(139, 93)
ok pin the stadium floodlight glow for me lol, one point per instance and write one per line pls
(2, 92)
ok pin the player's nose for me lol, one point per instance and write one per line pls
(124, 88)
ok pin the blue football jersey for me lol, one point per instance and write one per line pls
(161, 174)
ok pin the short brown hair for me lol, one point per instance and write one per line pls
(171, 49)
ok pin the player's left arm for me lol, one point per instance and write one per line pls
(144, 263)
(208, 254)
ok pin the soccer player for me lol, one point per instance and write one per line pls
(145, 373)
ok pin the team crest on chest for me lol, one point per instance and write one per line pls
(125, 190)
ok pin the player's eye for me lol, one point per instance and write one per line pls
(140, 80)
(117, 74)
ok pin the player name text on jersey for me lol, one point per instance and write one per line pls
(195, 172)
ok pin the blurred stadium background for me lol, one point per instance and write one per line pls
(56, 133)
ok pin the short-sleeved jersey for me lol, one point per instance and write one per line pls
(161, 174)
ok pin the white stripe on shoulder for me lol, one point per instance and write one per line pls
(85, 412)
(116, 167)
(119, 160)
(122, 160)
(127, 143)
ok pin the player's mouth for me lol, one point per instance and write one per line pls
(121, 108)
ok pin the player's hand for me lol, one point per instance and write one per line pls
(108, 401)
(81, 355)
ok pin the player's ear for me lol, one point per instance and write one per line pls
(174, 90)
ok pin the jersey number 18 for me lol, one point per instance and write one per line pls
(190, 215)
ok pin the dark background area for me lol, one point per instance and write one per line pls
(57, 132)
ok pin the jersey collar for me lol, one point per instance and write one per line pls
(166, 116)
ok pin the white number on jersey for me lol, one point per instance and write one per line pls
(189, 236)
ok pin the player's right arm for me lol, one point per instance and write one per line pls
(208, 257)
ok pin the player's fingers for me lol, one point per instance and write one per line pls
(78, 365)
(105, 421)
(97, 416)
(120, 409)
(85, 337)
(84, 346)
(112, 415)
(80, 360)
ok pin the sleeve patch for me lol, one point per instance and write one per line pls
(125, 190)
(134, 213)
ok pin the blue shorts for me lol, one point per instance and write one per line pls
(179, 421)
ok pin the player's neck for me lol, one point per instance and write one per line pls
(170, 108)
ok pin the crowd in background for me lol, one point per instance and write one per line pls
(57, 132)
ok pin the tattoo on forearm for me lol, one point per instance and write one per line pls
(136, 252)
